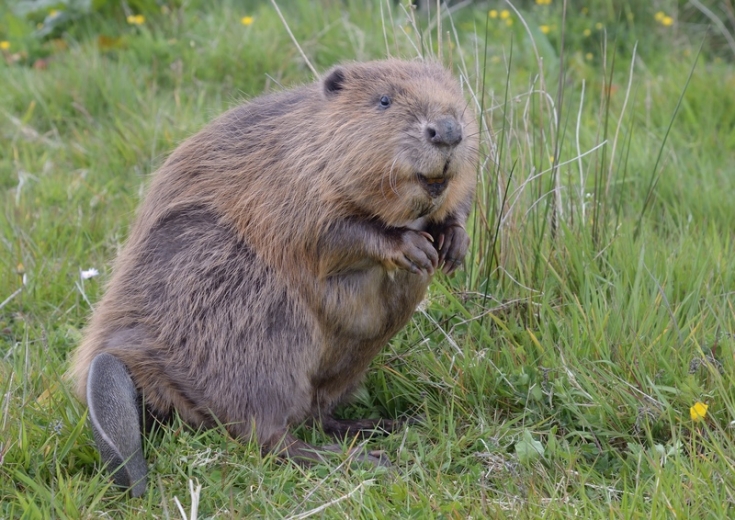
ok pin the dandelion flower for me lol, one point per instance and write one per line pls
(543, 2)
(659, 16)
(4, 45)
(136, 19)
(667, 21)
(698, 412)
(598, 26)
(493, 13)
(504, 14)
(586, 32)
(545, 28)
(246, 20)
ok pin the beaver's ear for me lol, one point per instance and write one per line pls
(334, 82)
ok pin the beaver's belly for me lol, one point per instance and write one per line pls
(370, 303)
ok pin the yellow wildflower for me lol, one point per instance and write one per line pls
(543, 2)
(246, 20)
(598, 26)
(545, 28)
(505, 14)
(659, 16)
(53, 13)
(509, 22)
(589, 55)
(493, 13)
(136, 19)
(667, 21)
(587, 32)
(4, 45)
(698, 412)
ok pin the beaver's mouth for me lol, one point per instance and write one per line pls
(434, 186)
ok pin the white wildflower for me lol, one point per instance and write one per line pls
(89, 273)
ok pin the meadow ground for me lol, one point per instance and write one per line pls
(581, 365)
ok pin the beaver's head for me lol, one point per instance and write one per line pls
(405, 139)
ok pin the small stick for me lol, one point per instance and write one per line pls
(293, 39)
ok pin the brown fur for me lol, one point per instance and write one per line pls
(280, 248)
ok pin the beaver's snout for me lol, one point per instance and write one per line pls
(445, 131)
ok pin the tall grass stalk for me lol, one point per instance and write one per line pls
(655, 173)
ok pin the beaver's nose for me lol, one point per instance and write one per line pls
(445, 131)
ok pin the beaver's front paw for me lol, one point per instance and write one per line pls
(414, 252)
(452, 243)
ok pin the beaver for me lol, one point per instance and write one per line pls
(275, 253)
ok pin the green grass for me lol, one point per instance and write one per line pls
(555, 373)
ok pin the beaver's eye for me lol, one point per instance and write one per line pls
(384, 102)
